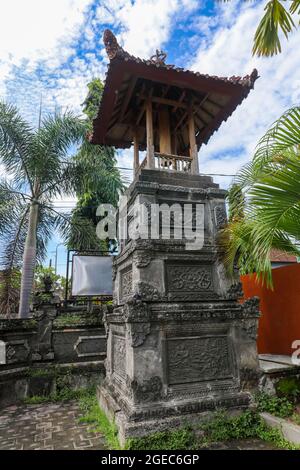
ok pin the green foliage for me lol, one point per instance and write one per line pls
(95, 416)
(64, 394)
(91, 103)
(296, 418)
(272, 206)
(39, 169)
(222, 427)
(236, 203)
(59, 282)
(167, 440)
(73, 320)
(276, 17)
(98, 181)
(278, 406)
(288, 387)
(266, 39)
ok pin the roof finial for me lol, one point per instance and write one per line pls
(159, 57)
(111, 44)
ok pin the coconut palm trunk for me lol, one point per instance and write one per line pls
(29, 260)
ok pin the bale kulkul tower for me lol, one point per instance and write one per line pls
(180, 343)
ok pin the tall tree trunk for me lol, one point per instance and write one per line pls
(29, 260)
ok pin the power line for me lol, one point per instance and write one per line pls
(201, 174)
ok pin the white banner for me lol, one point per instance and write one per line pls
(92, 275)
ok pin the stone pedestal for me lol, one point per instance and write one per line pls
(180, 344)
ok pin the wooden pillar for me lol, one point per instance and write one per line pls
(164, 130)
(193, 144)
(136, 158)
(149, 129)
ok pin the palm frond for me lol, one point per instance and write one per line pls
(266, 39)
(52, 143)
(295, 7)
(15, 140)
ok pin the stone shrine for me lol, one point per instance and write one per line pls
(180, 343)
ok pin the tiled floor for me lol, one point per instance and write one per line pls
(55, 426)
(46, 426)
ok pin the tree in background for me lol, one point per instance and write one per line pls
(10, 307)
(37, 170)
(269, 216)
(100, 180)
(277, 17)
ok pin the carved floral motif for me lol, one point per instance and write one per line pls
(126, 283)
(235, 291)
(251, 306)
(189, 278)
(139, 332)
(198, 359)
(220, 216)
(148, 390)
(142, 260)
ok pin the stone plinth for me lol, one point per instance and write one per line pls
(180, 344)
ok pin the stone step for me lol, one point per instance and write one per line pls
(177, 179)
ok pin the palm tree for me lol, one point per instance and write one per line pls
(276, 17)
(101, 181)
(269, 214)
(37, 170)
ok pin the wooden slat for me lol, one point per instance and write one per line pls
(128, 97)
(180, 100)
(168, 102)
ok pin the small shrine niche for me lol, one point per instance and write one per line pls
(167, 111)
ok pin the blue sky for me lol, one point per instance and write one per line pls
(55, 47)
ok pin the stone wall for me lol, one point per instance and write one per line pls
(37, 353)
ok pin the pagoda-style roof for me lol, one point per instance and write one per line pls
(131, 81)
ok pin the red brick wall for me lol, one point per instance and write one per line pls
(279, 325)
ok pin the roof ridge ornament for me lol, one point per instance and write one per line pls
(113, 49)
(159, 57)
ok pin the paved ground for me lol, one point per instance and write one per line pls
(46, 427)
(55, 426)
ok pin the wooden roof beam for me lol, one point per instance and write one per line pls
(181, 98)
(128, 97)
(166, 101)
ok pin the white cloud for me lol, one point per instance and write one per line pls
(144, 24)
(38, 29)
(228, 52)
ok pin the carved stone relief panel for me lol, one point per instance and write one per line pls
(17, 351)
(126, 283)
(119, 356)
(189, 278)
(198, 359)
(220, 216)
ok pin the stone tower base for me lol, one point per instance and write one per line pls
(180, 344)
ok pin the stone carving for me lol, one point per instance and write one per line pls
(87, 346)
(126, 283)
(197, 359)
(119, 356)
(220, 216)
(148, 390)
(235, 291)
(189, 278)
(142, 260)
(136, 310)
(249, 326)
(114, 271)
(139, 331)
(148, 291)
(251, 306)
(17, 351)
